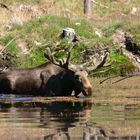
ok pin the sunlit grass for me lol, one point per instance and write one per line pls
(123, 92)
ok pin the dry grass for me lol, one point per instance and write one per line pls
(30, 9)
(103, 11)
(125, 92)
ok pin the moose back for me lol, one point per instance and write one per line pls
(48, 79)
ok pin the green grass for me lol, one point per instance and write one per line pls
(46, 30)
(111, 28)
(10, 44)
(36, 31)
(41, 32)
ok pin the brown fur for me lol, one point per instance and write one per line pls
(47, 80)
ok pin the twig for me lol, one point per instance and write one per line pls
(3, 69)
(5, 6)
(8, 44)
(107, 79)
(128, 76)
(99, 72)
(122, 79)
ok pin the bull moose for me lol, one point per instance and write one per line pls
(53, 78)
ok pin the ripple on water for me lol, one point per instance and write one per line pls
(74, 118)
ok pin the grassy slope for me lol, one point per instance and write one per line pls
(38, 33)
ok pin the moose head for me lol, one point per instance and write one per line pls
(72, 77)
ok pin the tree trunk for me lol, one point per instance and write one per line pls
(87, 7)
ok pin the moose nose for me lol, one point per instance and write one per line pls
(88, 89)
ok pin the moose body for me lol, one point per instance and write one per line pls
(45, 80)
(54, 78)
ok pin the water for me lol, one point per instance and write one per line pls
(80, 120)
(110, 114)
(37, 120)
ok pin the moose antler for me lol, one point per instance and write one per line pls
(58, 62)
(67, 62)
(99, 60)
(2, 70)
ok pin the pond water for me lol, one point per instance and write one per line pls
(112, 113)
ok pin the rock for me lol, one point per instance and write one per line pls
(135, 10)
(119, 38)
(70, 34)
(14, 20)
(23, 46)
(77, 23)
(99, 32)
(30, 10)
(128, 46)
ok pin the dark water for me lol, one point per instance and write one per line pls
(24, 119)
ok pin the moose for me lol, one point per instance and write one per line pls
(53, 78)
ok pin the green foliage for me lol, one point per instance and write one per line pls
(44, 32)
(10, 51)
(10, 44)
(111, 28)
(133, 29)
(33, 59)
(120, 66)
(35, 31)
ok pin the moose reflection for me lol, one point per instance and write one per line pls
(56, 120)
(58, 117)
(62, 117)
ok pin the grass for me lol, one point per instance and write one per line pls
(123, 92)
(36, 31)
(42, 31)
(21, 1)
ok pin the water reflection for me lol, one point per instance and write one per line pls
(63, 120)
(54, 119)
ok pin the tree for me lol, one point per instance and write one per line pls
(87, 7)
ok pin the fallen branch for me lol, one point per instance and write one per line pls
(121, 79)
(5, 6)
(3, 69)
(107, 79)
